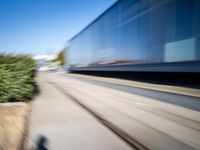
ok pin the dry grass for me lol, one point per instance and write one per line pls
(12, 125)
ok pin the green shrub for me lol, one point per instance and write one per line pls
(16, 77)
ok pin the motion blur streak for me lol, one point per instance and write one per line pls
(153, 123)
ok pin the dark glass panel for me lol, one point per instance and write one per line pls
(143, 30)
(161, 28)
(184, 19)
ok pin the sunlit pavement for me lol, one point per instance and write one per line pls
(133, 120)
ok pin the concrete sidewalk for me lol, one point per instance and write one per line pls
(64, 125)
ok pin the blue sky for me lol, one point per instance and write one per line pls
(44, 26)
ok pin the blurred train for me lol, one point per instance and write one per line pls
(140, 35)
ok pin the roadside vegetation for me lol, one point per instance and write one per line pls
(16, 78)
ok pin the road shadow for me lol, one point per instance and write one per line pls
(190, 80)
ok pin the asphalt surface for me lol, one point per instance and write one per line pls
(77, 113)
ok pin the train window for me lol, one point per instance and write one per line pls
(183, 50)
(129, 31)
(184, 19)
(196, 26)
(161, 28)
(196, 17)
(143, 30)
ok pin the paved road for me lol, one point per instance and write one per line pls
(76, 114)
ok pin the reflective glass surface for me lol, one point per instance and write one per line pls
(140, 32)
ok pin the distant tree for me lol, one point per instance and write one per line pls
(61, 57)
